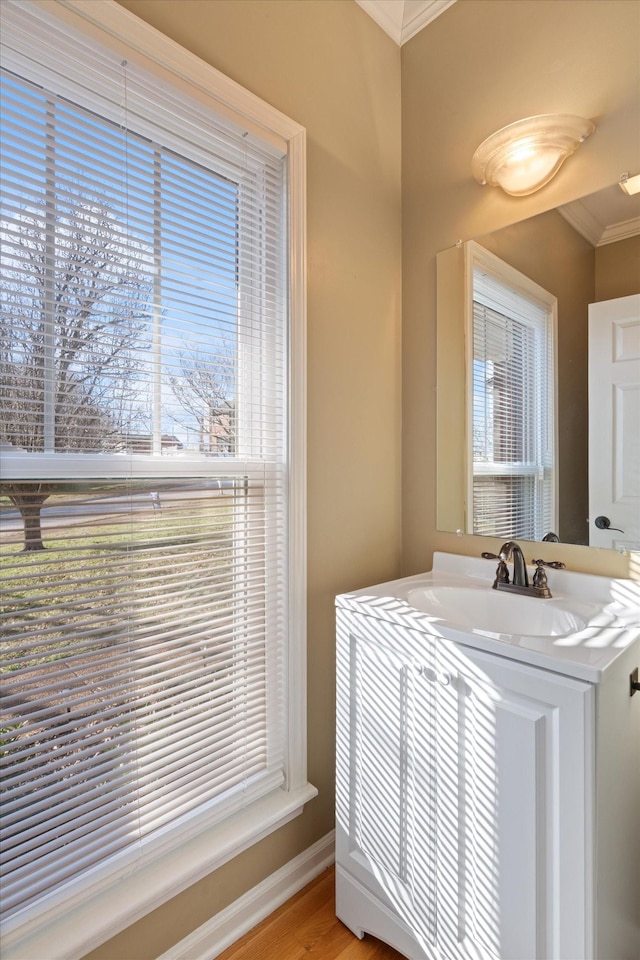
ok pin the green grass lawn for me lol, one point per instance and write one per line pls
(65, 599)
(104, 593)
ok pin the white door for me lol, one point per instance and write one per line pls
(614, 423)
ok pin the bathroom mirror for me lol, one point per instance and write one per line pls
(584, 252)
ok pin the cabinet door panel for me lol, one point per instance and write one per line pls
(386, 785)
(516, 885)
(379, 751)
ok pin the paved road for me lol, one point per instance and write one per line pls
(73, 510)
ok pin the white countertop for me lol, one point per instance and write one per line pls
(609, 607)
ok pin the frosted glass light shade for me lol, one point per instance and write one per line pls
(525, 155)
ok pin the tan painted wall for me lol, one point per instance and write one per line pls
(481, 65)
(330, 67)
(618, 269)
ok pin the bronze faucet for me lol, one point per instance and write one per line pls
(520, 582)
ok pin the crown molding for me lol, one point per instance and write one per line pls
(620, 231)
(582, 220)
(403, 19)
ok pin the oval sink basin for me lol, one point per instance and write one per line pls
(473, 608)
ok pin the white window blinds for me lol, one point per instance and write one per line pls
(144, 425)
(512, 410)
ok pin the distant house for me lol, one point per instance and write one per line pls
(217, 430)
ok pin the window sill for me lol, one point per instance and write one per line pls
(81, 917)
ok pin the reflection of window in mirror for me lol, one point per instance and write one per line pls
(511, 406)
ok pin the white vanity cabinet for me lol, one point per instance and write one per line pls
(466, 798)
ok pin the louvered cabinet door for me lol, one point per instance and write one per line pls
(386, 781)
(513, 809)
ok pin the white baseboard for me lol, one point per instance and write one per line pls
(218, 933)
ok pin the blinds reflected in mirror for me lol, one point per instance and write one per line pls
(512, 417)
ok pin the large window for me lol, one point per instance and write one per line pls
(511, 340)
(151, 487)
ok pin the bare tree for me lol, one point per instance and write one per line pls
(28, 498)
(204, 386)
(74, 298)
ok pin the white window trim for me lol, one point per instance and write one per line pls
(476, 256)
(85, 913)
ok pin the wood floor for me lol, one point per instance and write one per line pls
(306, 928)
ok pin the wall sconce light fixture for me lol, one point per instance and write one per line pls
(630, 185)
(525, 155)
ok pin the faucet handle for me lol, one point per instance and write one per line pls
(502, 571)
(540, 577)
